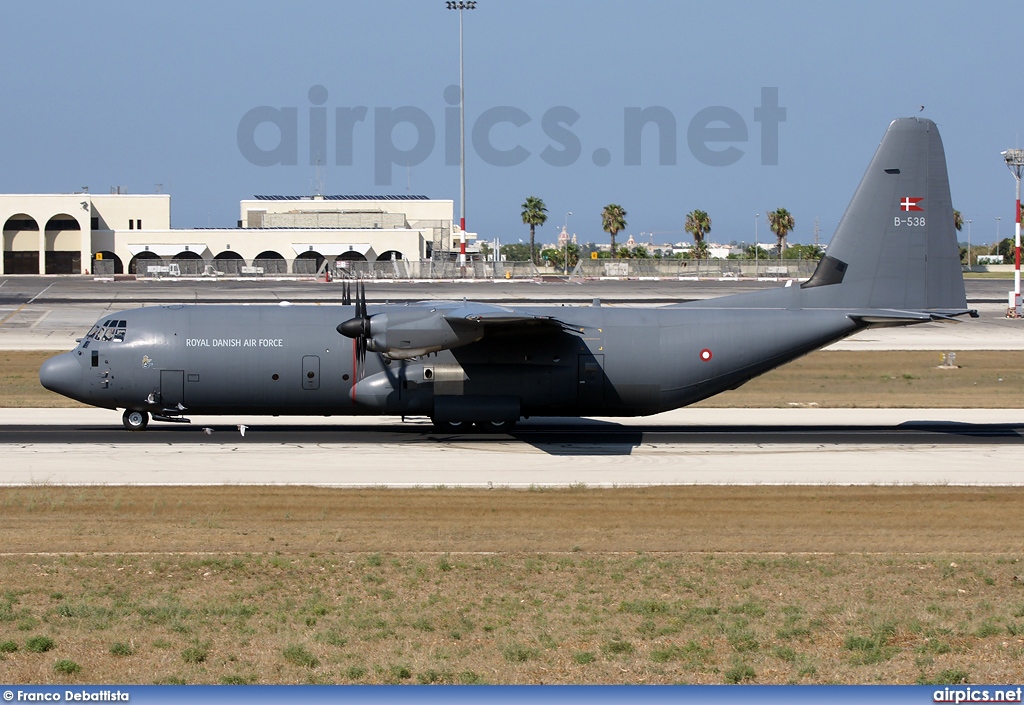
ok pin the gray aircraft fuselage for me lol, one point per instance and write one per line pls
(893, 260)
(291, 360)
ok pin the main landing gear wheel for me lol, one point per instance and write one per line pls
(495, 426)
(135, 420)
(451, 426)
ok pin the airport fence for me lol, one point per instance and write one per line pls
(445, 269)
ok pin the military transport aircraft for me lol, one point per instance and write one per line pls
(893, 261)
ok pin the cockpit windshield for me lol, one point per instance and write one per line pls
(112, 330)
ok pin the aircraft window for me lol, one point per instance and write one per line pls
(93, 332)
(122, 324)
(119, 335)
(108, 333)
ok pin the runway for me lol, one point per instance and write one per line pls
(689, 446)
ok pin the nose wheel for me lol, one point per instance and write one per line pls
(135, 420)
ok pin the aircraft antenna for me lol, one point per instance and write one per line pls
(318, 178)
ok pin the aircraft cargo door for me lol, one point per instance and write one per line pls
(311, 372)
(172, 388)
(591, 380)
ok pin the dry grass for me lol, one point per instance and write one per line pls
(657, 585)
(19, 381)
(887, 379)
(665, 519)
(986, 379)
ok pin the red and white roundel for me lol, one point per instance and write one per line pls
(705, 354)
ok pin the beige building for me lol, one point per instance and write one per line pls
(89, 233)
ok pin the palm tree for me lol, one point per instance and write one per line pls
(958, 220)
(781, 222)
(534, 214)
(699, 224)
(613, 219)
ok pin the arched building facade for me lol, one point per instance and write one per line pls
(84, 233)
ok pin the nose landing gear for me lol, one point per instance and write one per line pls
(135, 420)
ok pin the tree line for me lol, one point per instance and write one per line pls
(613, 221)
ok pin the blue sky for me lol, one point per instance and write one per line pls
(139, 94)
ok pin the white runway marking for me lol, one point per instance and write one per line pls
(39, 294)
(41, 318)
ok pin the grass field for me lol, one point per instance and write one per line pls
(657, 585)
(984, 379)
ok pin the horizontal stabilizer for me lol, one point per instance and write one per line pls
(883, 318)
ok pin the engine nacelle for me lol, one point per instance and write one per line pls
(401, 335)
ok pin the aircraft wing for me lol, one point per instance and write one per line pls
(489, 315)
(429, 326)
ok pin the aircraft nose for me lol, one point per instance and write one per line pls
(62, 374)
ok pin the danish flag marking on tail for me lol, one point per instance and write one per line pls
(909, 203)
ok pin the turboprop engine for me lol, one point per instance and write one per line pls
(401, 335)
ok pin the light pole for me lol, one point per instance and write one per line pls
(565, 231)
(1014, 159)
(969, 244)
(460, 6)
(757, 248)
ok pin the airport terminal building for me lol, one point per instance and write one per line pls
(85, 233)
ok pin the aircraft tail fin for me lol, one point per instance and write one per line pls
(896, 246)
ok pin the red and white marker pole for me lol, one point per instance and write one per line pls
(462, 244)
(1015, 161)
(1016, 257)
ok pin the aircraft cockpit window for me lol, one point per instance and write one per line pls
(112, 330)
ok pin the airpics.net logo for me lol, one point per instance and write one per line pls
(407, 135)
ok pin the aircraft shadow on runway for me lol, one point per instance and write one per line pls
(557, 437)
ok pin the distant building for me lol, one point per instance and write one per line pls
(84, 232)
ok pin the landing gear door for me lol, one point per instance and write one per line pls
(591, 380)
(311, 372)
(172, 388)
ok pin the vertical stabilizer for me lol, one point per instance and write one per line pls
(896, 246)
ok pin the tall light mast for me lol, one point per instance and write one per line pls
(1015, 161)
(460, 6)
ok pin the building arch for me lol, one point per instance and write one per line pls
(21, 244)
(272, 262)
(109, 264)
(351, 256)
(189, 262)
(308, 262)
(63, 244)
(229, 262)
(389, 255)
(143, 259)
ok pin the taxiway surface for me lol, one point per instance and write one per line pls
(48, 313)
